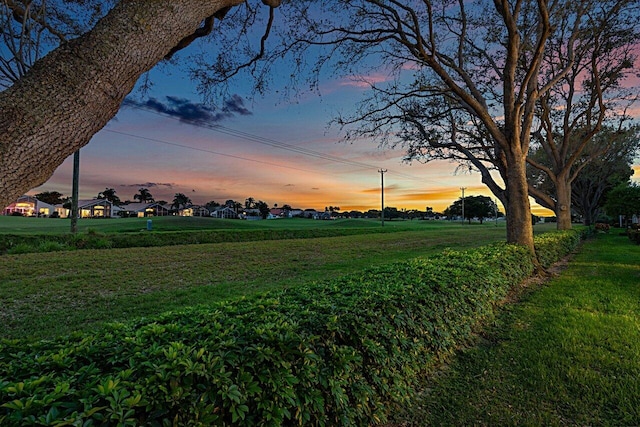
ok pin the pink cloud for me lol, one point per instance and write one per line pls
(364, 81)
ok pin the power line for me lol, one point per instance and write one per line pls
(278, 144)
(175, 144)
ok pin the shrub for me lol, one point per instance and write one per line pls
(51, 246)
(550, 247)
(634, 235)
(340, 352)
(21, 248)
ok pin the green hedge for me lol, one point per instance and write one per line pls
(341, 352)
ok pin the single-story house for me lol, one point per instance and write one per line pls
(142, 210)
(277, 213)
(193, 210)
(94, 208)
(322, 215)
(224, 212)
(296, 213)
(29, 206)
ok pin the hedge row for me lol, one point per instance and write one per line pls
(341, 352)
(15, 244)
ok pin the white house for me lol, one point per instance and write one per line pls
(95, 208)
(224, 212)
(142, 210)
(29, 206)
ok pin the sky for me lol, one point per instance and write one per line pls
(278, 151)
(265, 148)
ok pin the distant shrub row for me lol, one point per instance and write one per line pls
(17, 244)
(341, 352)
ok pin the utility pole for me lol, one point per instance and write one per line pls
(382, 172)
(74, 191)
(463, 188)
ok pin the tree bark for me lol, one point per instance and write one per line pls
(519, 224)
(73, 92)
(563, 204)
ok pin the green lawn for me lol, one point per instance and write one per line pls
(23, 225)
(569, 354)
(46, 294)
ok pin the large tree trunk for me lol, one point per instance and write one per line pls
(73, 92)
(563, 203)
(519, 224)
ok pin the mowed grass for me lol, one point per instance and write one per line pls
(23, 225)
(48, 294)
(569, 354)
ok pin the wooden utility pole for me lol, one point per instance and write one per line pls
(463, 188)
(382, 172)
(74, 191)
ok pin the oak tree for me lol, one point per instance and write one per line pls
(56, 105)
(465, 80)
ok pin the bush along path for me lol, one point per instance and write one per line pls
(348, 351)
(568, 354)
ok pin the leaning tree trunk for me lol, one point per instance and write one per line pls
(563, 203)
(73, 92)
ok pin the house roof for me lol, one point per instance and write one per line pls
(138, 207)
(93, 202)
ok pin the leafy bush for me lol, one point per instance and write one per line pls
(21, 248)
(550, 247)
(340, 352)
(51, 246)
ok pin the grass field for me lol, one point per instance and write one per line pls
(22, 225)
(46, 294)
(569, 354)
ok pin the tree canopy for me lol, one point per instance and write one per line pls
(110, 195)
(624, 200)
(181, 200)
(479, 207)
(143, 196)
(51, 197)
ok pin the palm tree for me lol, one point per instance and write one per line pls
(249, 202)
(110, 195)
(143, 196)
(180, 200)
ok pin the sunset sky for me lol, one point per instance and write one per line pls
(281, 152)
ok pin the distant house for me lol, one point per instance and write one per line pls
(276, 213)
(322, 215)
(224, 212)
(252, 214)
(29, 206)
(194, 210)
(295, 213)
(94, 208)
(310, 213)
(142, 210)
